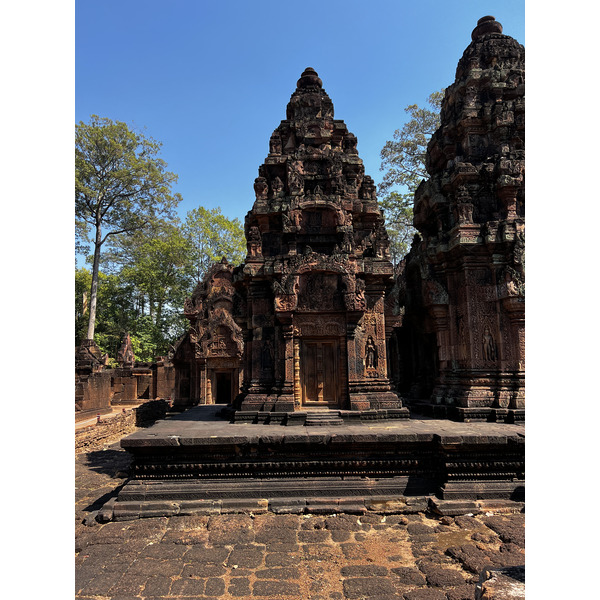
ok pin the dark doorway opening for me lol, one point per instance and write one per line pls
(223, 388)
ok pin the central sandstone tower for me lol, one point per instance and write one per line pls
(312, 288)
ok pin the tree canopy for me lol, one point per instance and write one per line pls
(210, 237)
(121, 186)
(403, 160)
(145, 262)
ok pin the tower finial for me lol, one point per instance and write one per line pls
(487, 24)
(309, 77)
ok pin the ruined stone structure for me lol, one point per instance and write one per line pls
(98, 388)
(461, 347)
(125, 356)
(92, 383)
(215, 341)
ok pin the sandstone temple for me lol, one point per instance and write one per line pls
(317, 318)
(303, 379)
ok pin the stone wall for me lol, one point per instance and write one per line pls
(92, 394)
(110, 429)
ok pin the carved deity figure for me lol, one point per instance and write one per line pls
(276, 186)
(267, 356)
(371, 353)
(254, 241)
(275, 144)
(295, 182)
(361, 302)
(261, 188)
(489, 346)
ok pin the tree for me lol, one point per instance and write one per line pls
(121, 185)
(403, 160)
(156, 263)
(212, 236)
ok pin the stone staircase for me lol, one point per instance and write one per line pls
(323, 418)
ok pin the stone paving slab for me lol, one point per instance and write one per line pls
(280, 556)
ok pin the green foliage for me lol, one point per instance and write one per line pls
(403, 160)
(121, 186)
(212, 236)
(148, 276)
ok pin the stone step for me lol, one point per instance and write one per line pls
(330, 417)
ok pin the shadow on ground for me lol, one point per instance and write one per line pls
(113, 461)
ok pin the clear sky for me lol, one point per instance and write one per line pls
(211, 80)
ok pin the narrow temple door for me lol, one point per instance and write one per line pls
(319, 373)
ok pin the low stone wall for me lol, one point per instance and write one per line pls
(92, 394)
(109, 429)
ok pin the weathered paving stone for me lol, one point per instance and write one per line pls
(157, 585)
(367, 587)
(153, 566)
(203, 570)
(206, 556)
(409, 576)
(467, 522)
(239, 586)
(321, 552)
(277, 547)
(509, 555)
(129, 585)
(338, 535)
(470, 557)
(214, 587)
(228, 537)
(272, 589)
(188, 587)
(278, 573)
(275, 535)
(440, 577)
(510, 528)
(313, 537)
(462, 592)
(100, 585)
(280, 559)
(370, 518)
(313, 523)
(419, 529)
(342, 522)
(364, 571)
(250, 557)
(352, 551)
(278, 521)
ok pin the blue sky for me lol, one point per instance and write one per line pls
(211, 80)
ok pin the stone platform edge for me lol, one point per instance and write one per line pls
(127, 511)
(348, 417)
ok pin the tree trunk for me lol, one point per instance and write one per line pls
(94, 290)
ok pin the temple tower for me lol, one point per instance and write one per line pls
(313, 283)
(465, 274)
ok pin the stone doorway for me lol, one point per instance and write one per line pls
(222, 387)
(319, 373)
